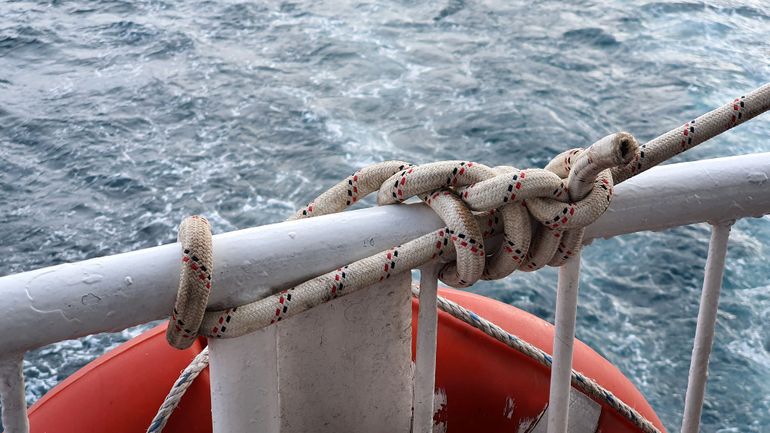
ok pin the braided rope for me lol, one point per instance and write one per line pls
(696, 131)
(450, 188)
(198, 364)
(456, 188)
(194, 282)
(579, 380)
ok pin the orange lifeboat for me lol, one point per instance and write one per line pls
(482, 384)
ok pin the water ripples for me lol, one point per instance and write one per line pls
(119, 118)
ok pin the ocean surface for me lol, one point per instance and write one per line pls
(119, 118)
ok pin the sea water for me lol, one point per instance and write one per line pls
(119, 118)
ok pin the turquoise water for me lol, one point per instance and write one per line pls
(118, 118)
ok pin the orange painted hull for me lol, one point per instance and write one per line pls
(480, 378)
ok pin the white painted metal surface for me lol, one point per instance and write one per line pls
(115, 292)
(14, 414)
(583, 417)
(343, 366)
(245, 383)
(563, 340)
(111, 293)
(688, 193)
(425, 359)
(704, 331)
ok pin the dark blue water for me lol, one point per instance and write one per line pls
(118, 118)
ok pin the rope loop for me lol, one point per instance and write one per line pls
(194, 282)
(541, 213)
(573, 190)
(475, 202)
(571, 193)
(466, 236)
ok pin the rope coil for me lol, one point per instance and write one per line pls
(194, 282)
(451, 188)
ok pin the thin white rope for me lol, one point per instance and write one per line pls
(579, 380)
(198, 364)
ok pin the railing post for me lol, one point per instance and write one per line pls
(14, 414)
(704, 331)
(345, 365)
(425, 356)
(564, 336)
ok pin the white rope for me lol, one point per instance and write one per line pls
(696, 131)
(198, 364)
(579, 381)
(194, 282)
(454, 189)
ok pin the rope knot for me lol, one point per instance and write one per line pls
(572, 191)
(540, 213)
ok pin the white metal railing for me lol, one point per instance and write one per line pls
(704, 330)
(104, 294)
(563, 340)
(425, 356)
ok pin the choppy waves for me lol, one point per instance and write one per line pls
(119, 118)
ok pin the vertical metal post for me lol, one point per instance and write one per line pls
(564, 336)
(704, 331)
(345, 365)
(14, 414)
(425, 362)
(242, 396)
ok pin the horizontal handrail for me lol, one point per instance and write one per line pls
(710, 190)
(115, 292)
